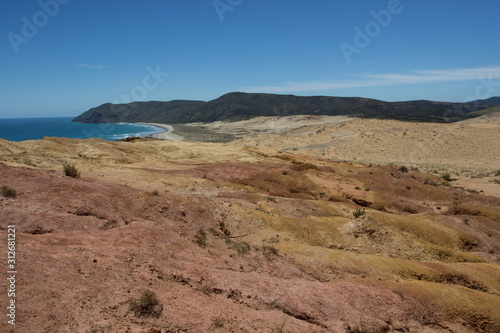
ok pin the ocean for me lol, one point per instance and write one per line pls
(36, 128)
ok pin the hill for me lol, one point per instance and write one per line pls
(178, 236)
(495, 109)
(489, 101)
(241, 106)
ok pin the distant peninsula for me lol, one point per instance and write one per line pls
(238, 106)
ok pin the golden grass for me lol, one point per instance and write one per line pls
(427, 227)
(476, 309)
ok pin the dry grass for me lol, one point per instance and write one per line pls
(477, 310)
(425, 227)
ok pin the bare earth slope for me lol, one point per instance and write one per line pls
(241, 239)
(467, 149)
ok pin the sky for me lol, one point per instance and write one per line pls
(63, 57)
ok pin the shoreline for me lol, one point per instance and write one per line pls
(167, 134)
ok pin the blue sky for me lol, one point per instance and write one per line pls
(82, 53)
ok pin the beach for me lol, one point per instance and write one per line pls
(167, 135)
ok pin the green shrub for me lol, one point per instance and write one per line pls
(70, 170)
(8, 192)
(147, 305)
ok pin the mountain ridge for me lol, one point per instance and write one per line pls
(237, 106)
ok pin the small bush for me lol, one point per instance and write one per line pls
(358, 212)
(147, 305)
(200, 238)
(70, 170)
(8, 192)
(280, 328)
(269, 251)
(403, 169)
(497, 173)
(241, 248)
(447, 177)
(218, 322)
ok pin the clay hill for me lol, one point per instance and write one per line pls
(183, 236)
(242, 106)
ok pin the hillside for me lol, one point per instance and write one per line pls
(178, 236)
(467, 148)
(242, 106)
(489, 101)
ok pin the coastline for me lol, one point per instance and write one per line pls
(167, 135)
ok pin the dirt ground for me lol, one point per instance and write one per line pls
(182, 236)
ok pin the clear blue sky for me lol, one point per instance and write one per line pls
(89, 52)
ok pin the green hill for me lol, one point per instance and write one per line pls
(486, 111)
(240, 106)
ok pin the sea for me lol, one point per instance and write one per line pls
(22, 129)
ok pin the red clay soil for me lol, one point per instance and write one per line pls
(86, 248)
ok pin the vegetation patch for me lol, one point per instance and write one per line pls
(200, 238)
(70, 170)
(448, 178)
(403, 169)
(8, 192)
(240, 247)
(358, 212)
(269, 251)
(464, 281)
(147, 305)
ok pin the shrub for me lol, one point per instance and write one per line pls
(447, 177)
(403, 169)
(200, 238)
(8, 192)
(358, 212)
(269, 251)
(218, 322)
(147, 305)
(280, 328)
(70, 170)
(497, 173)
(241, 248)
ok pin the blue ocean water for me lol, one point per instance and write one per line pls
(36, 128)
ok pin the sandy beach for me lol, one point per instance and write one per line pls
(167, 135)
